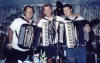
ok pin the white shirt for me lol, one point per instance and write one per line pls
(16, 25)
(78, 18)
(58, 18)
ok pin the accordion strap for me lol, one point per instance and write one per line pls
(75, 18)
(51, 22)
(71, 19)
(16, 34)
(26, 20)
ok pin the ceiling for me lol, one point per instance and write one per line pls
(36, 2)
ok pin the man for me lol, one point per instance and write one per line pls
(49, 46)
(76, 54)
(14, 52)
(59, 9)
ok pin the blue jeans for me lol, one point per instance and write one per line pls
(76, 55)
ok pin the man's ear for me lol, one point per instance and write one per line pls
(24, 13)
(71, 10)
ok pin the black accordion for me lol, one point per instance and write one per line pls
(27, 36)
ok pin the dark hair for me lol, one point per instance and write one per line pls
(59, 4)
(59, 9)
(24, 10)
(46, 5)
(67, 5)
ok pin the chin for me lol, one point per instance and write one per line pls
(30, 18)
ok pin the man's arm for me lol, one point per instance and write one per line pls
(10, 35)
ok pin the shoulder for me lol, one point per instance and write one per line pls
(59, 18)
(15, 23)
(40, 22)
(17, 20)
(80, 18)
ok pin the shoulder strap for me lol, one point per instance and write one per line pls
(26, 20)
(46, 19)
(16, 34)
(23, 18)
(75, 18)
(66, 18)
(51, 22)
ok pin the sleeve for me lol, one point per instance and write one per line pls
(40, 24)
(13, 25)
(59, 18)
(80, 18)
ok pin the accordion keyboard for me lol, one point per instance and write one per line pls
(45, 34)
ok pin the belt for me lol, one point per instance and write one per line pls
(80, 45)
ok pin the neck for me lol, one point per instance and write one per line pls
(28, 20)
(71, 15)
(49, 16)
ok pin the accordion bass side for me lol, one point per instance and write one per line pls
(26, 36)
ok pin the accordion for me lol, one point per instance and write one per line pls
(48, 33)
(26, 36)
(71, 34)
(75, 34)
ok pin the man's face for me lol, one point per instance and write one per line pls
(47, 11)
(67, 11)
(28, 13)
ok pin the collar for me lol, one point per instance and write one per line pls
(71, 18)
(49, 18)
(23, 17)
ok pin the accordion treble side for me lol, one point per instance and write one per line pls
(71, 35)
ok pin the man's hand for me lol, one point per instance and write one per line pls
(9, 46)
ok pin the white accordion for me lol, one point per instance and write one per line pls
(71, 34)
(48, 36)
